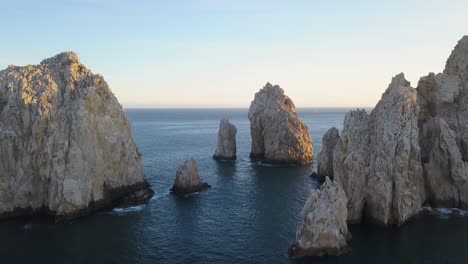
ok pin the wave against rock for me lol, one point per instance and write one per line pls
(66, 147)
(322, 229)
(226, 149)
(278, 134)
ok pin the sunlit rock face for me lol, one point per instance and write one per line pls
(278, 134)
(66, 147)
(323, 229)
(188, 180)
(226, 149)
(377, 159)
(325, 157)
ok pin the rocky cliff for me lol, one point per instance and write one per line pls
(412, 148)
(278, 134)
(66, 147)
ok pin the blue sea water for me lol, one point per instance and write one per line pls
(249, 215)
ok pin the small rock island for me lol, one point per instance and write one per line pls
(278, 134)
(66, 146)
(187, 179)
(323, 229)
(226, 149)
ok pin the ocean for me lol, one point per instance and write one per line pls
(249, 215)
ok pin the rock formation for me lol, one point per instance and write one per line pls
(226, 149)
(412, 149)
(187, 179)
(322, 229)
(278, 135)
(66, 147)
(377, 161)
(325, 157)
(443, 131)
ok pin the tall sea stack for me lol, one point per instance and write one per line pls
(66, 147)
(278, 134)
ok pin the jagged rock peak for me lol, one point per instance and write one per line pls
(64, 58)
(278, 134)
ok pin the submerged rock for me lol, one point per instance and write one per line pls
(325, 157)
(278, 134)
(226, 149)
(187, 179)
(322, 229)
(66, 147)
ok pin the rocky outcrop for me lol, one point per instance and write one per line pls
(377, 160)
(322, 229)
(443, 121)
(325, 157)
(66, 147)
(187, 179)
(226, 149)
(278, 134)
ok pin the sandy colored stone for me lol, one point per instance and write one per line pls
(66, 146)
(226, 149)
(278, 134)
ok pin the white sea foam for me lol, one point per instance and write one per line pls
(446, 211)
(130, 209)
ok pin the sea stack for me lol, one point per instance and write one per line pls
(323, 229)
(226, 149)
(66, 147)
(187, 179)
(325, 157)
(278, 134)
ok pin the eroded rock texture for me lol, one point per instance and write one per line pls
(226, 149)
(377, 159)
(325, 157)
(278, 134)
(187, 179)
(66, 147)
(322, 229)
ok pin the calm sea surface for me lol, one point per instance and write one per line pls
(248, 216)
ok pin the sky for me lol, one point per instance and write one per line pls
(210, 53)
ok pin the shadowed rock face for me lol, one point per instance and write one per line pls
(226, 149)
(322, 229)
(278, 135)
(66, 147)
(325, 157)
(187, 179)
(443, 121)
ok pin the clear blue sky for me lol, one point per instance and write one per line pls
(212, 53)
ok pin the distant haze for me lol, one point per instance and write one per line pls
(210, 53)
